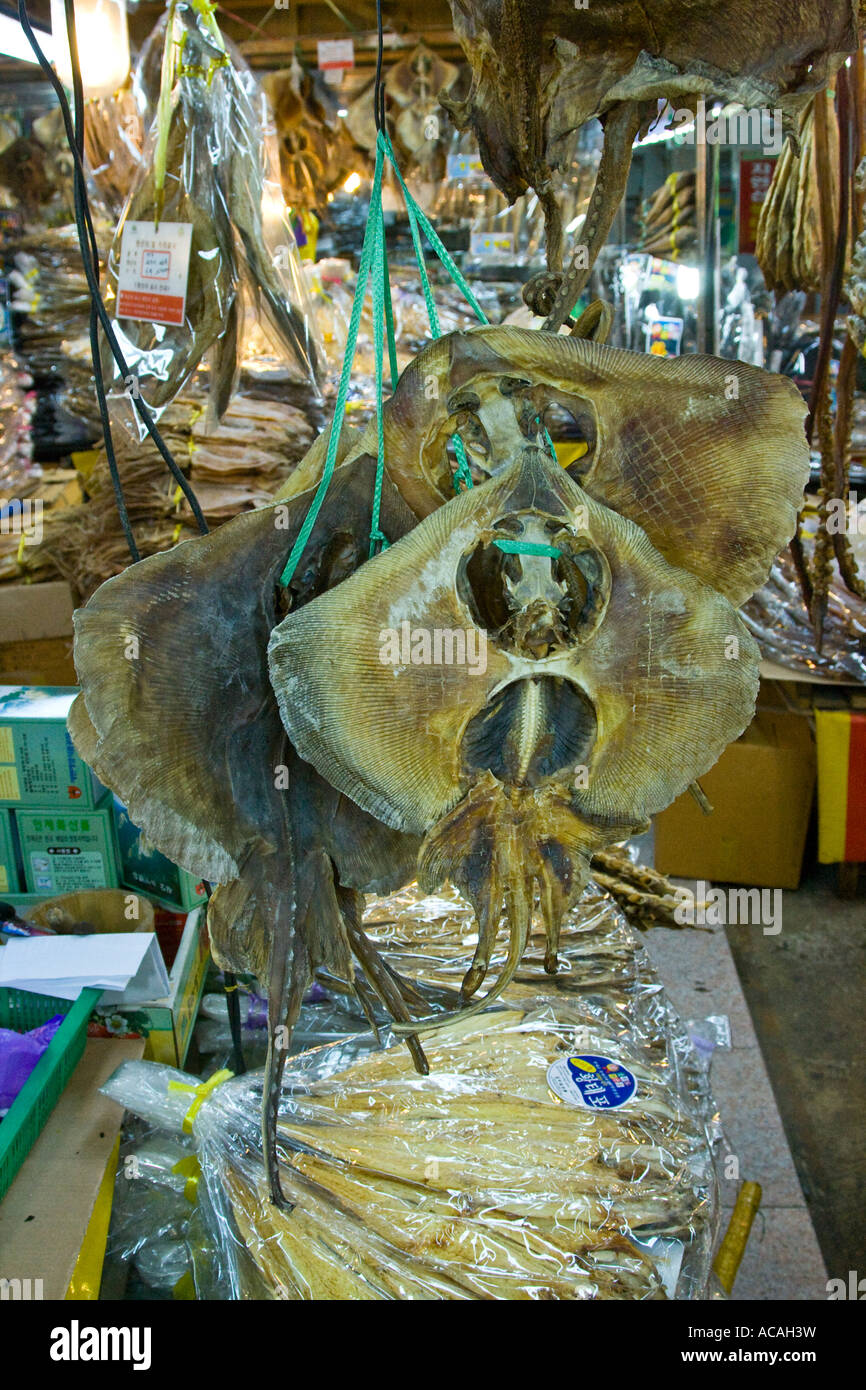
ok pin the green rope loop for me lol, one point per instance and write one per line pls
(528, 548)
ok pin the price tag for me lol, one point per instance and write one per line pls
(154, 265)
(497, 246)
(464, 166)
(590, 1082)
(335, 54)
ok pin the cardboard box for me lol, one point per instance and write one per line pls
(54, 1201)
(150, 872)
(10, 874)
(167, 1024)
(761, 791)
(38, 762)
(65, 851)
(36, 634)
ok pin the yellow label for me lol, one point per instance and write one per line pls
(9, 788)
(7, 752)
(4, 879)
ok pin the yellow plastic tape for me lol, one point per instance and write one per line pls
(201, 1094)
(190, 1169)
(87, 1274)
(733, 1246)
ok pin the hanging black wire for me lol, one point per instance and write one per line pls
(379, 86)
(87, 243)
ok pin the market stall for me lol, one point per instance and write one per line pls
(431, 628)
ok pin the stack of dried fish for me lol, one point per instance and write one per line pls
(50, 291)
(801, 207)
(206, 164)
(480, 1181)
(668, 218)
(113, 138)
(235, 468)
(779, 620)
(16, 410)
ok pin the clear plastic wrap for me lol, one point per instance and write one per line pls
(778, 619)
(478, 1181)
(210, 161)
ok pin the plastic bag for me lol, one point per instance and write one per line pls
(209, 161)
(491, 1177)
(19, 1053)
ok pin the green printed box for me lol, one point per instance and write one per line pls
(38, 762)
(67, 851)
(149, 871)
(10, 878)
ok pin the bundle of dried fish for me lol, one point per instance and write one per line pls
(605, 613)
(415, 88)
(316, 151)
(668, 220)
(113, 140)
(539, 72)
(206, 165)
(478, 1182)
(779, 620)
(801, 204)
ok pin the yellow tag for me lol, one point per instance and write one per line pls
(7, 751)
(9, 788)
(4, 879)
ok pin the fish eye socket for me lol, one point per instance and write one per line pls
(513, 385)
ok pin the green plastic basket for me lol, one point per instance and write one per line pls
(22, 1010)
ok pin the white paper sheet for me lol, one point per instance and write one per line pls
(128, 966)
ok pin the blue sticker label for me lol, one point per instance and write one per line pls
(591, 1082)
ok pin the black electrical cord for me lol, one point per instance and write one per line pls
(80, 195)
(379, 86)
(87, 242)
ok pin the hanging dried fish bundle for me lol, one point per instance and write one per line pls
(803, 198)
(206, 165)
(668, 219)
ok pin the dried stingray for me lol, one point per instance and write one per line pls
(178, 717)
(517, 768)
(540, 71)
(707, 456)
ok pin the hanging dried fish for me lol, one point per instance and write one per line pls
(541, 71)
(550, 737)
(178, 717)
(708, 456)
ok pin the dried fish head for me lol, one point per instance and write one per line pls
(708, 456)
(516, 709)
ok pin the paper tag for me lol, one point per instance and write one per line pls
(590, 1082)
(7, 748)
(154, 265)
(335, 53)
(492, 245)
(9, 786)
(464, 166)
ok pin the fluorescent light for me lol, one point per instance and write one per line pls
(353, 183)
(342, 111)
(15, 44)
(688, 281)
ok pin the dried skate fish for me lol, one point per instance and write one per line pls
(189, 737)
(708, 457)
(515, 771)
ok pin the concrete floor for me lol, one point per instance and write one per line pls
(806, 992)
(792, 1090)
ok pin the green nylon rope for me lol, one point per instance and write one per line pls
(528, 548)
(374, 258)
